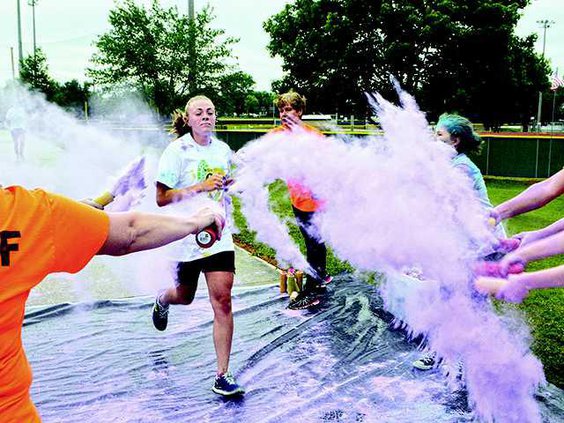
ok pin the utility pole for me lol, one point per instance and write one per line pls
(191, 9)
(13, 66)
(552, 126)
(192, 47)
(32, 3)
(20, 49)
(545, 24)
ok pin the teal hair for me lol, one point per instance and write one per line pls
(461, 128)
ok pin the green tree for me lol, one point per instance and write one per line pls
(485, 71)
(552, 99)
(329, 49)
(165, 56)
(458, 55)
(34, 72)
(552, 102)
(526, 71)
(251, 104)
(265, 102)
(72, 95)
(233, 90)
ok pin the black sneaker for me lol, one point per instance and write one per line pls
(326, 280)
(160, 315)
(321, 285)
(303, 301)
(227, 386)
(427, 362)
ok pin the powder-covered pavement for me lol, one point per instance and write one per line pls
(104, 278)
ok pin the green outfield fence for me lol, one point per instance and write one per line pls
(522, 155)
(509, 154)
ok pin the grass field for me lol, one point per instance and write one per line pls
(544, 309)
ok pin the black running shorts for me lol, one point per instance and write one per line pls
(188, 272)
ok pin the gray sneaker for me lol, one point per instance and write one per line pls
(426, 362)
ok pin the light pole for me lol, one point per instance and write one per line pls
(32, 3)
(191, 9)
(192, 47)
(545, 23)
(13, 67)
(20, 49)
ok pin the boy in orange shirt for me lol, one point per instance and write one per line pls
(43, 233)
(291, 107)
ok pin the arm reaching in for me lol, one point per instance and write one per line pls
(546, 247)
(131, 232)
(516, 287)
(533, 246)
(130, 183)
(529, 237)
(532, 198)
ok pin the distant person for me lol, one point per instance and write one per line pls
(197, 166)
(15, 121)
(43, 233)
(291, 107)
(458, 132)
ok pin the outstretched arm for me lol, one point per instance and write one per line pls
(529, 237)
(532, 198)
(516, 287)
(546, 247)
(133, 231)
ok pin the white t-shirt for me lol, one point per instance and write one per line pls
(185, 163)
(15, 118)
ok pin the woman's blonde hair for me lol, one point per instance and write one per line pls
(179, 125)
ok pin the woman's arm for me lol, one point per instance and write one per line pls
(167, 195)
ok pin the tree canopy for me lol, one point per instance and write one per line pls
(34, 73)
(454, 55)
(168, 57)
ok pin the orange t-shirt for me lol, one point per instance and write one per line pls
(301, 197)
(40, 233)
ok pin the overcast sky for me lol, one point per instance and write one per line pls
(66, 30)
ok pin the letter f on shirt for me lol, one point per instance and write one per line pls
(6, 248)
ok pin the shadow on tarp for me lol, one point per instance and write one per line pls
(104, 362)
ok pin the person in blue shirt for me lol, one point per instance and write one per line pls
(458, 132)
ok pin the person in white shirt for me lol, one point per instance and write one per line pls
(196, 166)
(15, 121)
